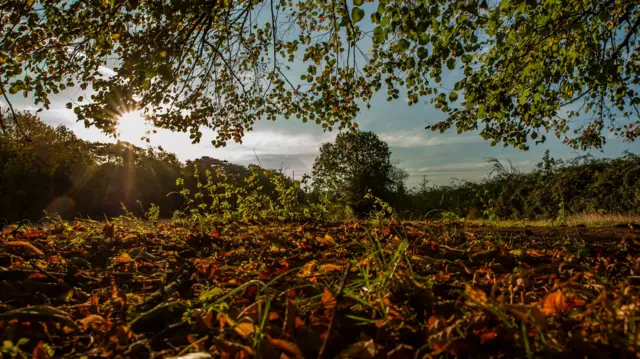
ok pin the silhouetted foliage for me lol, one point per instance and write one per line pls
(49, 169)
(554, 189)
(356, 163)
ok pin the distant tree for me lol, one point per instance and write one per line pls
(354, 164)
(525, 68)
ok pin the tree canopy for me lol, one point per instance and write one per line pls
(358, 162)
(526, 68)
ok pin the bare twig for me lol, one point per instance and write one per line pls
(13, 112)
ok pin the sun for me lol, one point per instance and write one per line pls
(133, 128)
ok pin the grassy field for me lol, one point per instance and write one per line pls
(372, 289)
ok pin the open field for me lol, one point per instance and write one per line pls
(380, 289)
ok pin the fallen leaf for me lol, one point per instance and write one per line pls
(245, 329)
(308, 269)
(362, 350)
(476, 295)
(327, 239)
(555, 302)
(328, 300)
(124, 257)
(286, 346)
(91, 319)
(330, 268)
(39, 352)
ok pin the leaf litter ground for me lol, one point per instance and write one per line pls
(361, 290)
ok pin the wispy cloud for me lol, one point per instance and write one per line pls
(412, 139)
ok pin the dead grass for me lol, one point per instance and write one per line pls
(587, 219)
(602, 220)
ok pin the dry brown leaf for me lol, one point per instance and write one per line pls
(245, 329)
(362, 350)
(91, 319)
(328, 300)
(308, 269)
(555, 302)
(330, 268)
(124, 257)
(26, 245)
(476, 295)
(286, 346)
(327, 239)
(39, 352)
(273, 316)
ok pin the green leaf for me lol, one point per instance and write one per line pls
(403, 44)
(357, 14)
(523, 99)
(423, 39)
(422, 52)
(451, 63)
(453, 96)
(358, 2)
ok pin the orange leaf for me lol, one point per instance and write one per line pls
(328, 300)
(124, 257)
(39, 352)
(555, 302)
(476, 295)
(330, 268)
(90, 319)
(487, 337)
(245, 329)
(327, 239)
(307, 269)
(286, 346)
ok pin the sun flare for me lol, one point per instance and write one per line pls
(132, 127)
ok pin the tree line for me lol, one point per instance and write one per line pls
(554, 189)
(49, 170)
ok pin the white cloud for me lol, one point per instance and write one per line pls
(105, 71)
(409, 139)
